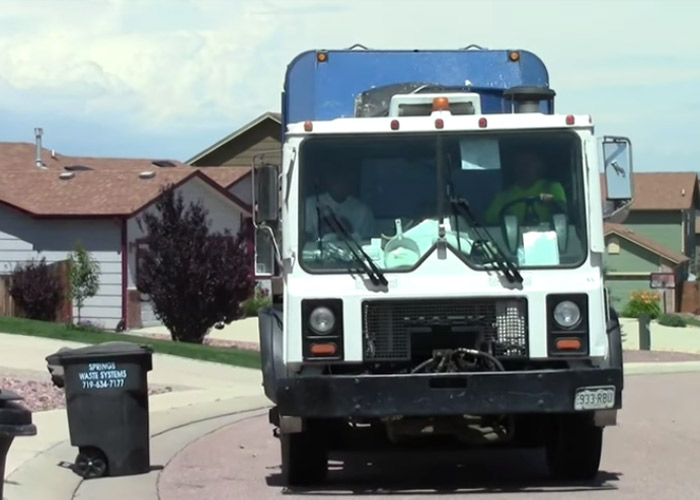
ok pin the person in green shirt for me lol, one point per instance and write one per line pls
(546, 196)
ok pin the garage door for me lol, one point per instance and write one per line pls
(620, 288)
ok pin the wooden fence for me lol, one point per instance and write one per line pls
(64, 311)
(690, 297)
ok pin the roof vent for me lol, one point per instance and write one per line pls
(38, 162)
(148, 174)
(76, 168)
(66, 175)
(163, 163)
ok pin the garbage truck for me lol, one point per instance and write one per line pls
(434, 239)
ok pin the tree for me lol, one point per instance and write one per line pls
(194, 278)
(84, 277)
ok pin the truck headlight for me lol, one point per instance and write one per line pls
(567, 314)
(322, 320)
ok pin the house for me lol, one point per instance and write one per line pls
(49, 201)
(657, 236)
(259, 140)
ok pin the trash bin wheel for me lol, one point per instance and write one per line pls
(91, 463)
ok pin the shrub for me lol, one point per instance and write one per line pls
(36, 289)
(194, 278)
(673, 320)
(643, 301)
(252, 305)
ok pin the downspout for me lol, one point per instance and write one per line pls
(125, 272)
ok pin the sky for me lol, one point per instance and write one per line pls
(168, 78)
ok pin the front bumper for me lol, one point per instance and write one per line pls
(542, 391)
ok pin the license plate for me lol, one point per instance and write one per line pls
(594, 398)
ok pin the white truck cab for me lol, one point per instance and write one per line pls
(439, 273)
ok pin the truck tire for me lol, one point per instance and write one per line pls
(270, 331)
(304, 458)
(615, 343)
(574, 446)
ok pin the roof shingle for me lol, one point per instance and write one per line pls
(643, 241)
(662, 190)
(111, 186)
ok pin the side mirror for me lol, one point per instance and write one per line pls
(266, 180)
(265, 253)
(617, 165)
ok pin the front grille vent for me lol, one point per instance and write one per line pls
(391, 328)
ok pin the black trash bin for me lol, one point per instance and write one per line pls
(106, 391)
(15, 420)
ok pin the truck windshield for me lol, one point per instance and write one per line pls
(523, 192)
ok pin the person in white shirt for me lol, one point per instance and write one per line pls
(355, 216)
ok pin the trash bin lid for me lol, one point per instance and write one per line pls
(8, 396)
(15, 419)
(105, 349)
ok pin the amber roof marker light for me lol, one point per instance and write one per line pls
(513, 55)
(322, 56)
(441, 104)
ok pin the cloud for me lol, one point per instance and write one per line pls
(180, 71)
(117, 55)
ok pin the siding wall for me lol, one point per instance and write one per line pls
(631, 259)
(241, 150)
(23, 238)
(621, 287)
(244, 190)
(689, 223)
(663, 227)
(222, 212)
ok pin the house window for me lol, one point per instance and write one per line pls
(613, 246)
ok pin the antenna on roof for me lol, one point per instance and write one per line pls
(38, 163)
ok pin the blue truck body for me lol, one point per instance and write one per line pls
(326, 89)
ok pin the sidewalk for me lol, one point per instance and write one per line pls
(200, 391)
(242, 331)
(663, 338)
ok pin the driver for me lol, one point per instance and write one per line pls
(529, 182)
(354, 215)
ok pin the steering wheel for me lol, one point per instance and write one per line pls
(530, 217)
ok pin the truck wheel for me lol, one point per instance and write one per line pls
(574, 446)
(615, 342)
(304, 458)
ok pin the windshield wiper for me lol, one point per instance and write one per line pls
(368, 266)
(504, 264)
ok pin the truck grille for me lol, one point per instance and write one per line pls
(392, 327)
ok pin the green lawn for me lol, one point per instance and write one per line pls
(224, 355)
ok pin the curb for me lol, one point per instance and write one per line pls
(661, 367)
(171, 430)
